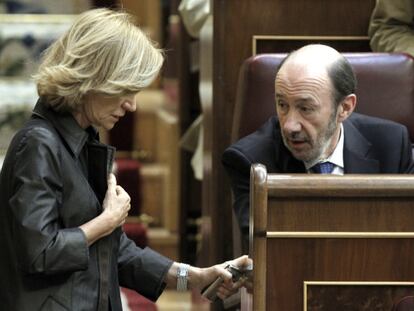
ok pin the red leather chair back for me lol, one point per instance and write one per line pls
(385, 89)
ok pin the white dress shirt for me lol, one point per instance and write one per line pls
(336, 157)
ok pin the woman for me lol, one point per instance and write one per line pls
(61, 215)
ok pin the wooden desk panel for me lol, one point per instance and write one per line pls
(341, 214)
(312, 228)
(293, 261)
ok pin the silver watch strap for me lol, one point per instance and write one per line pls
(182, 277)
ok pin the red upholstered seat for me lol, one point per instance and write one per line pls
(137, 302)
(384, 89)
(128, 176)
(137, 232)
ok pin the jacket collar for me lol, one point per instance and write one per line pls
(357, 158)
(66, 125)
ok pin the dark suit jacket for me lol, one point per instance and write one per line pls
(371, 146)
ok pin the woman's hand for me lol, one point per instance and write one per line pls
(200, 278)
(116, 204)
(228, 287)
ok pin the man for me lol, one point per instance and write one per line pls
(315, 100)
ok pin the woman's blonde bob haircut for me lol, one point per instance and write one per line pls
(102, 52)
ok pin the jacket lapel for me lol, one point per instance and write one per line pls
(357, 158)
(100, 159)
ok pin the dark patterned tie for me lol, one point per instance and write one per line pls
(323, 168)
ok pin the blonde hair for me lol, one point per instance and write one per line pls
(102, 52)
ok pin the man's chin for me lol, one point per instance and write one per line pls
(298, 155)
(297, 152)
(302, 152)
(302, 158)
(304, 155)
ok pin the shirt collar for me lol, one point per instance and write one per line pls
(337, 156)
(69, 129)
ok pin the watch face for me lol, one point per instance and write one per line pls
(182, 271)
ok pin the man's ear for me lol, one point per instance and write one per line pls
(346, 107)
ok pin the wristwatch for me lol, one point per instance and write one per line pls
(182, 277)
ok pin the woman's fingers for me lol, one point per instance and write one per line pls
(111, 184)
(122, 194)
(243, 262)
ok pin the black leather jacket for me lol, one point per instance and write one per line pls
(45, 262)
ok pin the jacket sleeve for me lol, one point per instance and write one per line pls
(237, 166)
(42, 245)
(391, 26)
(407, 162)
(142, 270)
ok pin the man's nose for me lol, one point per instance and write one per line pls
(291, 123)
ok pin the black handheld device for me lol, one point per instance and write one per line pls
(210, 291)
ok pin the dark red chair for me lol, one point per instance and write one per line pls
(137, 302)
(128, 176)
(385, 89)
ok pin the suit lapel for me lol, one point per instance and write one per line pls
(357, 158)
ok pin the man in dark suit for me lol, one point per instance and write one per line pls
(315, 129)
